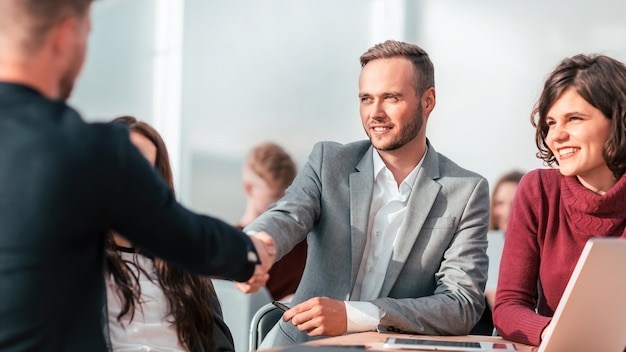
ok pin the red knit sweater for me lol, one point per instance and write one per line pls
(552, 218)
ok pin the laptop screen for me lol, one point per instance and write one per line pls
(591, 315)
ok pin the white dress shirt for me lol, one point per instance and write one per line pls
(151, 329)
(387, 211)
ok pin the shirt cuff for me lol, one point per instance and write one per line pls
(252, 255)
(362, 316)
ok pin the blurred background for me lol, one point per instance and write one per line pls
(218, 77)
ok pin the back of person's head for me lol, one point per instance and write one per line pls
(162, 161)
(29, 21)
(601, 81)
(187, 294)
(273, 164)
(501, 203)
(424, 69)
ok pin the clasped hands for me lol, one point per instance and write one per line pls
(266, 250)
(317, 316)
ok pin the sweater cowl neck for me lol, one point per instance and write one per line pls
(578, 198)
(591, 214)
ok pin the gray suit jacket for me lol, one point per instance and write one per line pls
(436, 277)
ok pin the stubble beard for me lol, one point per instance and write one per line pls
(406, 135)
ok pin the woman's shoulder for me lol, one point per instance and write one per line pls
(542, 176)
(541, 181)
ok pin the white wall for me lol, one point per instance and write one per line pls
(266, 70)
(491, 58)
(287, 71)
(118, 74)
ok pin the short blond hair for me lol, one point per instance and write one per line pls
(273, 164)
(424, 71)
(31, 20)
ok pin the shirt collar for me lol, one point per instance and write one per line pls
(379, 166)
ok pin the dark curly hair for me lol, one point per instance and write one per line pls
(601, 81)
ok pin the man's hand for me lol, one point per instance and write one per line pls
(266, 250)
(319, 316)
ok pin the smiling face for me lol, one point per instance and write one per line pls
(577, 133)
(391, 112)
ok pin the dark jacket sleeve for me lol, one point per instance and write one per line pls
(143, 209)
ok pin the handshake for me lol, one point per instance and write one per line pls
(266, 250)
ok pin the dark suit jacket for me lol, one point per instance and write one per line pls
(63, 184)
(286, 273)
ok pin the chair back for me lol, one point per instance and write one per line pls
(238, 309)
(262, 322)
(485, 324)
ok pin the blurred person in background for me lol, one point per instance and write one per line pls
(501, 202)
(267, 172)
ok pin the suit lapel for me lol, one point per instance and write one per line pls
(361, 186)
(421, 200)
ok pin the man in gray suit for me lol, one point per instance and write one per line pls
(396, 231)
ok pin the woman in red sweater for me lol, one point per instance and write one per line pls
(580, 120)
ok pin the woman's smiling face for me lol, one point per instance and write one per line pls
(577, 134)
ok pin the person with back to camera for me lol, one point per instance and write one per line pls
(396, 231)
(501, 201)
(267, 172)
(65, 183)
(152, 304)
(580, 121)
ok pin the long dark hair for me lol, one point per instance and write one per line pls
(187, 294)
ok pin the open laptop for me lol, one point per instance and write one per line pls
(591, 315)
